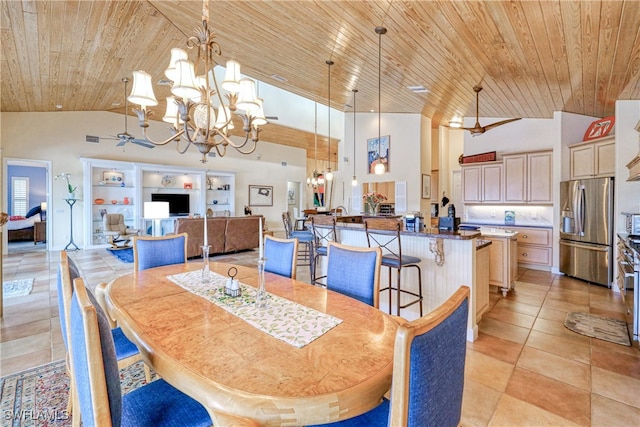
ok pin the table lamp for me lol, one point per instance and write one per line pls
(156, 211)
(43, 211)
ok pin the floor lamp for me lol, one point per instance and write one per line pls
(156, 211)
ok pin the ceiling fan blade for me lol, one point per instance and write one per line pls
(121, 143)
(476, 129)
(143, 143)
(503, 122)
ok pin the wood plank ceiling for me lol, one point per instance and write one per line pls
(531, 57)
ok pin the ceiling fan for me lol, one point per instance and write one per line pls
(479, 130)
(125, 136)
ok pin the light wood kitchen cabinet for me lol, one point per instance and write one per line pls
(482, 183)
(528, 178)
(482, 281)
(503, 263)
(593, 159)
(535, 246)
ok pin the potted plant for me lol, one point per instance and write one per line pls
(372, 201)
(70, 188)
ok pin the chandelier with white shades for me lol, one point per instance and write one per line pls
(196, 111)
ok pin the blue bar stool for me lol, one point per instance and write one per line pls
(324, 231)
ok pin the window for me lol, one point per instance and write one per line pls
(20, 197)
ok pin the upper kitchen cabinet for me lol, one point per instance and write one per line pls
(528, 178)
(482, 183)
(593, 159)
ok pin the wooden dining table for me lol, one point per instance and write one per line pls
(244, 376)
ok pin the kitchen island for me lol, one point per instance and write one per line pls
(448, 261)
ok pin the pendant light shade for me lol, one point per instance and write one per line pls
(379, 168)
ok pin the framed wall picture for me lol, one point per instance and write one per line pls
(113, 178)
(378, 152)
(260, 195)
(426, 186)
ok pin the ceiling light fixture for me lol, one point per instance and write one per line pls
(354, 181)
(191, 111)
(379, 168)
(455, 122)
(418, 89)
(329, 173)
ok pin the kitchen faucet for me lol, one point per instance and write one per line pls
(344, 211)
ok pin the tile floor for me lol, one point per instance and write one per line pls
(525, 369)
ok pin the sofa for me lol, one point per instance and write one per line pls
(224, 234)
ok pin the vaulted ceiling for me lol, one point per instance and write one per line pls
(531, 57)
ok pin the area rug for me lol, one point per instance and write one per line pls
(38, 396)
(124, 255)
(602, 328)
(17, 288)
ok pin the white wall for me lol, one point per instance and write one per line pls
(522, 135)
(60, 138)
(405, 132)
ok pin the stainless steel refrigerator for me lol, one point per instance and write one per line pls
(586, 229)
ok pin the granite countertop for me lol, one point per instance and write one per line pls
(495, 232)
(481, 243)
(485, 224)
(427, 232)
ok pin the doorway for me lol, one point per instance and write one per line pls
(294, 199)
(25, 198)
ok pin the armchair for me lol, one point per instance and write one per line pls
(116, 231)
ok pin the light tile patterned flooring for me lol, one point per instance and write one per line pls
(525, 369)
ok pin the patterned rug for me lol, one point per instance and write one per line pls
(124, 255)
(602, 328)
(17, 288)
(38, 396)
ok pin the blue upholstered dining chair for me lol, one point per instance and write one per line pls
(126, 352)
(428, 370)
(354, 271)
(93, 360)
(281, 255)
(149, 252)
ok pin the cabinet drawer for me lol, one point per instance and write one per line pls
(534, 255)
(533, 236)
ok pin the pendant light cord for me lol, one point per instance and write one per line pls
(380, 31)
(329, 63)
(354, 134)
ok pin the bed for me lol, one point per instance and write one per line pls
(21, 228)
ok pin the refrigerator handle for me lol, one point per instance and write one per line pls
(582, 246)
(580, 210)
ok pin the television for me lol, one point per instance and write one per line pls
(178, 203)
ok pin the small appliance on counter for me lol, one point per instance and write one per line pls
(632, 223)
(450, 222)
(414, 222)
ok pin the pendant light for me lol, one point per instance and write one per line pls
(354, 181)
(379, 168)
(329, 176)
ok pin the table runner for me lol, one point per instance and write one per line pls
(286, 320)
